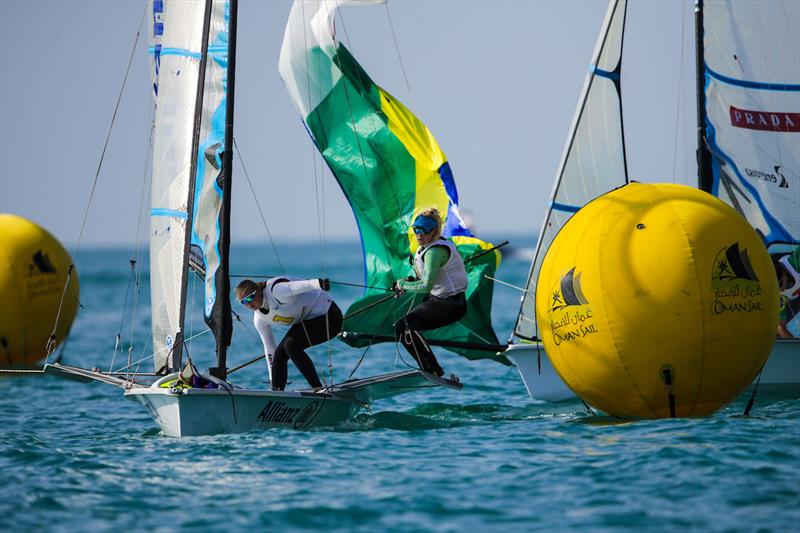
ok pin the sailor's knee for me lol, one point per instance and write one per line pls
(281, 355)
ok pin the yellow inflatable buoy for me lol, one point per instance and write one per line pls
(33, 273)
(657, 301)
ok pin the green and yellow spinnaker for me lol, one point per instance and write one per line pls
(389, 167)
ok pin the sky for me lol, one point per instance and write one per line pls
(497, 83)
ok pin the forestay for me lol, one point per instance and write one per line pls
(389, 166)
(752, 99)
(593, 162)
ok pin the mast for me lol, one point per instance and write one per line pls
(223, 337)
(704, 172)
(177, 351)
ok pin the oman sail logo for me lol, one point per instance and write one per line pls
(734, 283)
(40, 264)
(43, 279)
(569, 310)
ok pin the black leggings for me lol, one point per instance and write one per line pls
(300, 336)
(432, 313)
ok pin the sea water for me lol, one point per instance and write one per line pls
(79, 457)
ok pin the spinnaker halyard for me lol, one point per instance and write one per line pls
(389, 167)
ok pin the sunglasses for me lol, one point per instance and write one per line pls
(421, 231)
(249, 298)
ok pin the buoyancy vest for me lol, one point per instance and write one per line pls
(304, 302)
(452, 276)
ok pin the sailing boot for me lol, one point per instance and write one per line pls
(431, 365)
(426, 359)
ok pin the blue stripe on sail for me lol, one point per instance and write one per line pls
(564, 207)
(183, 52)
(754, 84)
(777, 233)
(159, 212)
(176, 52)
(604, 73)
(453, 223)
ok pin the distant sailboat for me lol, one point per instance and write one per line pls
(748, 150)
(193, 47)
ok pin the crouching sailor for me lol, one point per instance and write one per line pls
(306, 307)
(443, 281)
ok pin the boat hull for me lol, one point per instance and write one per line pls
(191, 412)
(781, 371)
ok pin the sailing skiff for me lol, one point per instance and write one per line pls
(735, 71)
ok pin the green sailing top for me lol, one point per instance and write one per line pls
(389, 167)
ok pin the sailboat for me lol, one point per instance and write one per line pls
(193, 55)
(748, 98)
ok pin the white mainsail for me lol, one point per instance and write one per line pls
(594, 157)
(752, 99)
(188, 138)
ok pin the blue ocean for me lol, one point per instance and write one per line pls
(79, 457)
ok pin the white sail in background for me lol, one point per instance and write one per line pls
(752, 91)
(594, 158)
(179, 61)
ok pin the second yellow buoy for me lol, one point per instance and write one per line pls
(33, 273)
(657, 301)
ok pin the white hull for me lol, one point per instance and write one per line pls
(184, 411)
(781, 373)
(211, 411)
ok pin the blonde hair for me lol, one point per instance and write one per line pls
(246, 286)
(433, 213)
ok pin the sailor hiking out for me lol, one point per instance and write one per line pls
(442, 278)
(303, 305)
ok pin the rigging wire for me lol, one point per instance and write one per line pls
(139, 249)
(51, 341)
(400, 59)
(258, 206)
(319, 191)
(337, 62)
(679, 107)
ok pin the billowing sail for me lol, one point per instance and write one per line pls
(752, 98)
(186, 160)
(593, 162)
(388, 165)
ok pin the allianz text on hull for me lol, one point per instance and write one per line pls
(192, 411)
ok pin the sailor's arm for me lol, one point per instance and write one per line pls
(434, 259)
(261, 321)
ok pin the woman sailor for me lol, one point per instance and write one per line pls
(443, 281)
(306, 307)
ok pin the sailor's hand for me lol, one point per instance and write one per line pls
(398, 291)
(325, 284)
